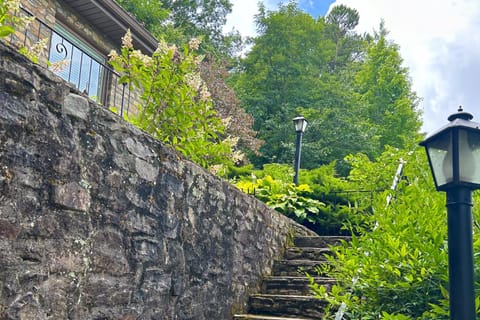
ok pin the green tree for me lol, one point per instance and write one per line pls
(200, 18)
(344, 19)
(334, 132)
(282, 69)
(385, 94)
(341, 21)
(177, 21)
(352, 88)
(280, 74)
(151, 13)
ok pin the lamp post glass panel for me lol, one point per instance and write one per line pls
(454, 157)
(300, 126)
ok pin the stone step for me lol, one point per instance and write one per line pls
(287, 305)
(293, 285)
(260, 317)
(320, 241)
(307, 253)
(296, 268)
(286, 295)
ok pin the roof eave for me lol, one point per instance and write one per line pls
(125, 20)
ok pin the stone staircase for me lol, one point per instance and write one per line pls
(286, 294)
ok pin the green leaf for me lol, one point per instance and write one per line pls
(5, 31)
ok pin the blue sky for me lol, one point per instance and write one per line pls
(241, 18)
(315, 7)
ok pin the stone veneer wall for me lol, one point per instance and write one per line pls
(100, 221)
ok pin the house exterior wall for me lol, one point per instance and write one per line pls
(23, 39)
(115, 91)
(83, 29)
(41, 8)
(53, 11)
(48, 13)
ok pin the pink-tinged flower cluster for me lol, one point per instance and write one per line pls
(194, 43)
(59, 66)
(205, 94)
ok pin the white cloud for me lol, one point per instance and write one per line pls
(242, 17)
(243, 14)
(272, 4)
(440, 45)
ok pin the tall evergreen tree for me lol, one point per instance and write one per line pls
(281, 73)
(385, 94)
(352, 88)
(341, 22)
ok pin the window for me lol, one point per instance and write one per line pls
(76, 62)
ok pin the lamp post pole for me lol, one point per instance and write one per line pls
(460, 254)
(297, 156)
(300, 126)
(454, 157)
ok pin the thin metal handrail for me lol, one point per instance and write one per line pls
(396, 179)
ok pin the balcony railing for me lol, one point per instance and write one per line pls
(78, 64)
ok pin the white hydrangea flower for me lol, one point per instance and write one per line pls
(127, 40)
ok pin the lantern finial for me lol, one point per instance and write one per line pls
(460, 115)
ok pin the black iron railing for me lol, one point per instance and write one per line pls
(75, 62)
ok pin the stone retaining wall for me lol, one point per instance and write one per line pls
(100, 221)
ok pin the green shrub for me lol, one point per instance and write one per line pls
(400, 262)
(176, 107)
(284, 197)
(319, 202)
(7, 19)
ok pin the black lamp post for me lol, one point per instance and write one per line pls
(454, 156)
(300, 126)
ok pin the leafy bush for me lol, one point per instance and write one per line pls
(176, 106)
(320, 202)
(284, 197)
(346, 204)
(296, 206)
(7, 19)
(397, 269)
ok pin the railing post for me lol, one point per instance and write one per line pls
(123, 99)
